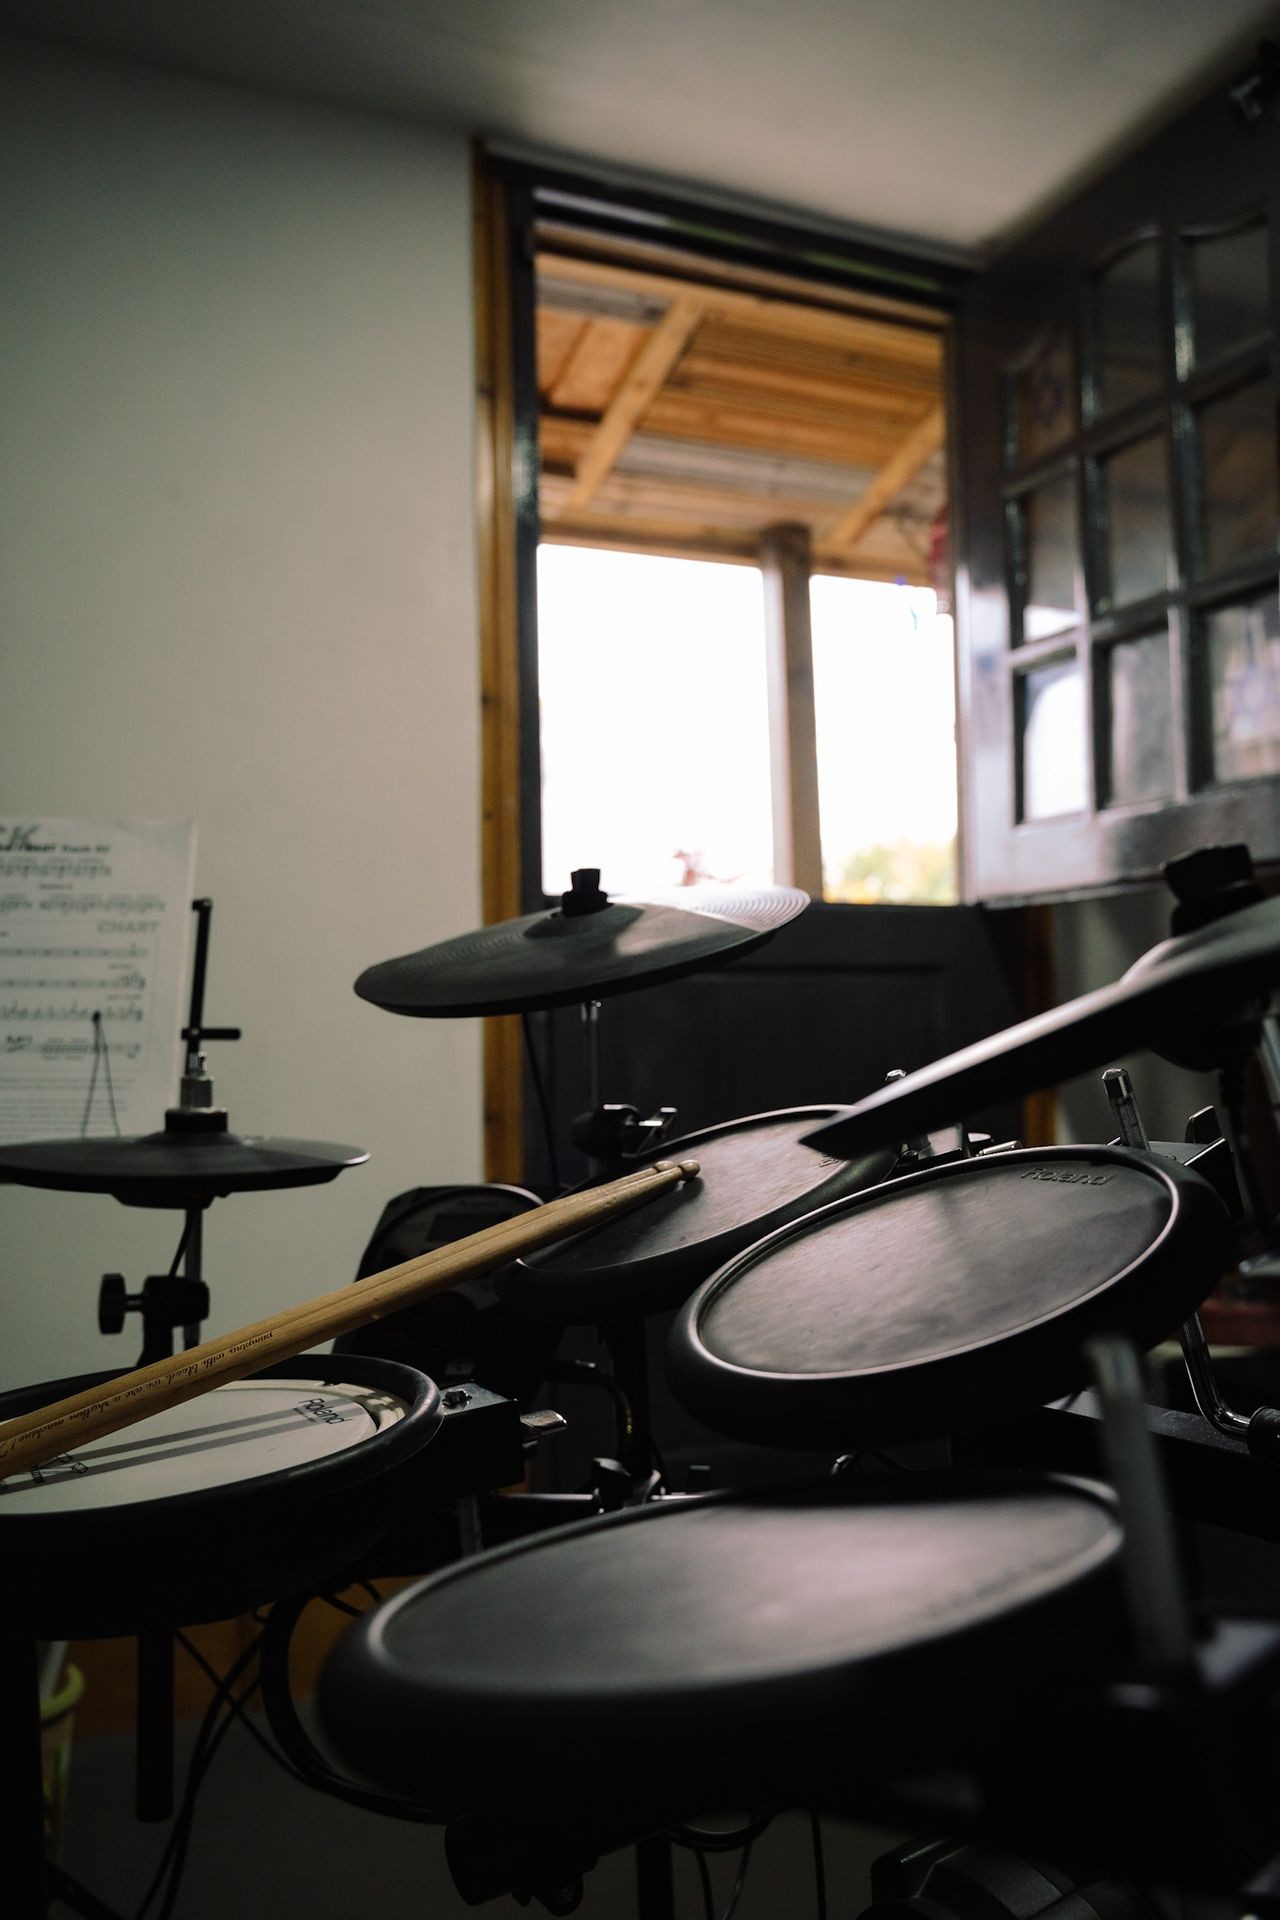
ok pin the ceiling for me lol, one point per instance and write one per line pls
(690, 417)
(949, 121)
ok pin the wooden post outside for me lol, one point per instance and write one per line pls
(785, 564)
(499, 657)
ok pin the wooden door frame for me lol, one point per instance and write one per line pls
(504, 195)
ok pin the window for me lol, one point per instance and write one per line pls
(1120, 456)
(742, 675)
(654, 720)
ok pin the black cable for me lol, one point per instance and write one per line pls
(235, 1704)
(237, 1712)
(568, 1372)
(296, 1743)
(196, 1770)
(738, 1884)
(183, 1238)
(544, 1107)
(343, 1606)
(720, 1839)
(201, 1754)
(704, 1874)
(819, 1867)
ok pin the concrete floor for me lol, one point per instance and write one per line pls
(265, 1847)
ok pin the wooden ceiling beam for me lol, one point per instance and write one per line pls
(850, 409)
(655, 496)
(683, 539)
(769, 374)
(893, 478)
(678, 416)
(557, 336)
(564, 441)
(648, 375)
(905, 344)
(590, 374)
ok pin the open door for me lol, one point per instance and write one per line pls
(1118, 514)
(691, 386)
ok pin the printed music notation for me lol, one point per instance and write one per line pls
(94, 927)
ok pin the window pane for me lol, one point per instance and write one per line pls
(655, 727)
(1230, 297)
(1139, 694)
(1128, 330)
(1051, 547)
(1238, 502)
(1138, 529)
(1045, 390)
(884, 698)
(1052, 740)
(1242, 661)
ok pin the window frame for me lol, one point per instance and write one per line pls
(516, 198)
(1205, 177)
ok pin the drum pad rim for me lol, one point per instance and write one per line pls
(717, 1389)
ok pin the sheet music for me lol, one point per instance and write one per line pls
(95, 918)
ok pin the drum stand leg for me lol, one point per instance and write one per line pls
(655, 1884)
(154, 1725)
(22, 1811)
(625, 1340)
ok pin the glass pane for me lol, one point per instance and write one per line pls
(1242, 657)
(1238, 501)
(1045, 387)
(1139, 534)
(1052, 726)
(884, 709)
(1139, 721)
(1052, 555)
(655, 721)
(1128, 329)
(1230, 296)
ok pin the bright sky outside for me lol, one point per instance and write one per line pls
(655, 744)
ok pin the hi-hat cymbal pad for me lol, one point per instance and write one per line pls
(588, 948)
(175, 1168)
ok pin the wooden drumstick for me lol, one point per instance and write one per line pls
(37, 1436)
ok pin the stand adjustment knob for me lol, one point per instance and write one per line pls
(167, 1300)
(114, 1303)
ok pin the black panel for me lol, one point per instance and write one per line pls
(822, 1013)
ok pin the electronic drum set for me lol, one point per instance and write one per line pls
(977, 1621)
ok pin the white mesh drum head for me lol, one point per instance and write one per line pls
(239, 1432)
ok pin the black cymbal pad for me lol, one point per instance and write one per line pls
(1176, 999)
(553, 959)
(175, 1169)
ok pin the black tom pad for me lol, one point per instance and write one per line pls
(950, 1298)
(756, 1174)
(728, 1647)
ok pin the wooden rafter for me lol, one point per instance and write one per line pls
(631, 402)
(893, 478)
(856, 331)
(747, 409)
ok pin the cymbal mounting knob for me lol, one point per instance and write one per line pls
(584, 895)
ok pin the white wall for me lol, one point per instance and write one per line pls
(237, 575)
